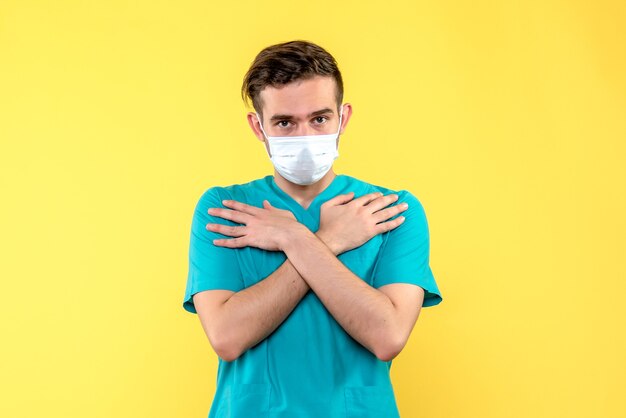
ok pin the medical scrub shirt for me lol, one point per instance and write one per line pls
(309, 366)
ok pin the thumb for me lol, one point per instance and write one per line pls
(340, 199)
(267, 204)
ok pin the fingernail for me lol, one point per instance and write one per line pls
(404, 205)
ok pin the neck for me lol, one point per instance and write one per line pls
(304, 194)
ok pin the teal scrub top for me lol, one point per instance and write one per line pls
(309, 366)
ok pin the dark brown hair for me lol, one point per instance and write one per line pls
(283, 63)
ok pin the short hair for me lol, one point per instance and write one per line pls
(283, 63)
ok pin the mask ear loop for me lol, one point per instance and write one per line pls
(261, 125)
(263, 130)
(340, 116)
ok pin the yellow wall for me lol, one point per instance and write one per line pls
(506, 119)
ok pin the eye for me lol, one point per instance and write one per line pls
(320, 119)
(283, 123)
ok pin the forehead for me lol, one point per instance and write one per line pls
(299, 98)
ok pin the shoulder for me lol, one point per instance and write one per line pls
(404, 196)
(215, 194)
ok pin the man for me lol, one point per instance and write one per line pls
(307, 283)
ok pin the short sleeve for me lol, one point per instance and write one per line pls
(210, 266)
(405, 254)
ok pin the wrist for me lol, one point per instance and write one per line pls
(296, 233)
(327, 240)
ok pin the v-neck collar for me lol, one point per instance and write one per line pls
(313, 208)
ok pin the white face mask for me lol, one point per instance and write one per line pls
(303, 159)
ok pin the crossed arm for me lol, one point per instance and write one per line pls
(380, 319)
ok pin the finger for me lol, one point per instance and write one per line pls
(366, 198)
(387, 213)
(382, 201)
(231, 215)
(241, 207)
(230, 242)
(389, 225)
(280, 212)
(339, 199)
(231, 231)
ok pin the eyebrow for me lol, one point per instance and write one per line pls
(310, 115)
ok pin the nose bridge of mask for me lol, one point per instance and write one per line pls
(302, 148)
(306, 158)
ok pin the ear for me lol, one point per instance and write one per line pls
(253, 121)
(347, 112)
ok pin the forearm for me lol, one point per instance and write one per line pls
(364, 312)
(252, 314)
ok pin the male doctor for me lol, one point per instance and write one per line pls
(307, 283)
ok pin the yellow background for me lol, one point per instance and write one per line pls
(506, 119)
